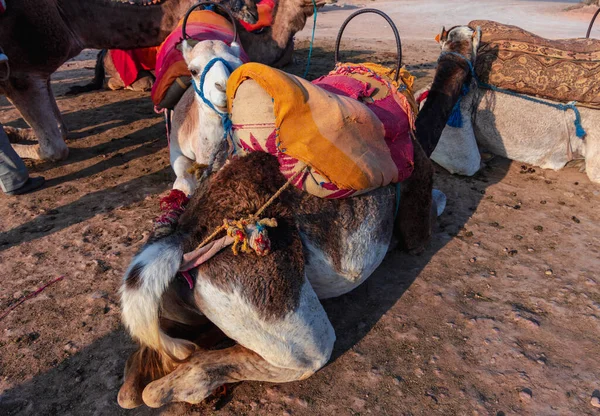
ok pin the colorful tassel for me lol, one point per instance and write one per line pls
(455, 119)
(250, 237)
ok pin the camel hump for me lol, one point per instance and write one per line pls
(561, 70)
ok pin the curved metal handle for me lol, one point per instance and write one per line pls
(208, 3)
(392, 25)
(592, 23)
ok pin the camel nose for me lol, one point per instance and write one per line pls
(219, 86)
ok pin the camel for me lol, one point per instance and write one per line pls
(197, 130)
(267, 300)
(63, 28)
(507, 125)
(281, 33)
(269, 305)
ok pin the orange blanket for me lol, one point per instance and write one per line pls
(338, 137)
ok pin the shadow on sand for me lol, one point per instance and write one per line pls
(87, 382)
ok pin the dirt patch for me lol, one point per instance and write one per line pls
(500, 316)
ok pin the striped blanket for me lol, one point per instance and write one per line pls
(352, 128)
(171, 69)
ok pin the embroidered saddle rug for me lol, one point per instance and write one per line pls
(562, 70)
(352, 127)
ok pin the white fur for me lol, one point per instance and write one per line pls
(518, 130)
(204, 145)
(302, 340)
(457, 150)
(362, 253)
(139, 306)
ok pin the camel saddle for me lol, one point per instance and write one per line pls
(348, 132)
(562, 70)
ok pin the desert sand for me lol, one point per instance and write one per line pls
(500, 316)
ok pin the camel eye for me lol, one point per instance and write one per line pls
(194, 72)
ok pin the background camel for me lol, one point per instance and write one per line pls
(38, 37)
(512, 127)
(274, 46)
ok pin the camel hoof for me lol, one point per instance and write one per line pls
(188, 383)
(129, 397)
(16, 135)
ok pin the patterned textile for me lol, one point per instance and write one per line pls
(129, 63)
(340, 126)
(170, 65)
(562, 70)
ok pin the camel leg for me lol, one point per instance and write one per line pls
(415, 220)
(186, 181)
(61, 123)
(276, 349)
(33, 98)
(592, 155)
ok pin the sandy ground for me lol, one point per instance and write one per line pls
(500, 316)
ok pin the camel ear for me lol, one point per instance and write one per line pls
(186, 49)
(443, 36)
(235, 48)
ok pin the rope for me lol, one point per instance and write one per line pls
(312, 40)
(255, 217)
(579, 130)
(31, 295)
(225, 120)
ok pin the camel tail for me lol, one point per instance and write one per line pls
(146, 280)
(99, 77)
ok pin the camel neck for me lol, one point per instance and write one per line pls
(106, 24)
(269, 45)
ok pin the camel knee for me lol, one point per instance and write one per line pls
(592, 168)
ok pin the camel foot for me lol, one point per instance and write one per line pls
(34, 151)
(16, 135)
(115, 84)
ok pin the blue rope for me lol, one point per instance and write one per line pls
(579, 130)
(312, 40)
(225, 120)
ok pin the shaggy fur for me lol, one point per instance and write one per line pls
(265, 304)
(450, 76)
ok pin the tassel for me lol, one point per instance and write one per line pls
(455, 119)
(579, 130)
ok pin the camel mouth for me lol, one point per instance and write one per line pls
(222, 109)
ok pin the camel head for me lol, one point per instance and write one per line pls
(245, 10)
(461, 39)
(221, 60)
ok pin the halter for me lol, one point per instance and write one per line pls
(225, 120)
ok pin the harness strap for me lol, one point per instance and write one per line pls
(225, 120)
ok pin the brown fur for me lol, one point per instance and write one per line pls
(133, 278)
(239, 190)
(324, 221)
(416, 218)
(451, 74)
